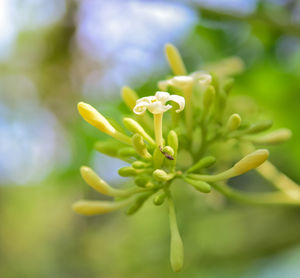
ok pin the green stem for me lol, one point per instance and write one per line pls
(274, 198)
(176, 251)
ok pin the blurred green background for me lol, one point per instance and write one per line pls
(56, 53)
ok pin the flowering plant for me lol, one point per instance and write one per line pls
(159, 150)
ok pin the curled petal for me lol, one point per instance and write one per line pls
(182, 81)
(179, 100)
(140, 107)
(202, 77)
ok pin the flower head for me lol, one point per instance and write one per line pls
(157, 104)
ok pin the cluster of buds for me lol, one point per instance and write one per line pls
(152, 146)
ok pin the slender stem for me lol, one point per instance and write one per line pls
(273, 198)
(176, 252)
(188, 110)
(158, 129)
(279, 180)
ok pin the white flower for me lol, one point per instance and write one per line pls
(202, 77)
(157, 104)
(177, 81)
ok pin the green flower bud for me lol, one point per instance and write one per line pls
(275, 137)
(127, 152)
(142, 181)
(140, 146)
(135, 127)
(159, 199)
(233, 122)
(208, 96)
(259, 127)
(139, 164)
(202, 163)
(138, 203)
(251, 161)
(127, 171)
(228, 84)
(173, 143)
(108, 148)
(161, 175)
(199, 185)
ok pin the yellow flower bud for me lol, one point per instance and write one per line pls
(161, 175)
(129, 96)
(93, 117)
(175, 60)
(97, 207)
(135, 127)
(233, 122)
(251, 161)
(275, 137)
(93, 180)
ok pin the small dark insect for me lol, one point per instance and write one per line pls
(165, 154)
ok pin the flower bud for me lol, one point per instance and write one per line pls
(161, 175)
(96, 207)
(142, 180)
(173, 140)
(93, 180)
(138, 202)
(108, 148)
(208, 96)
(129, 97)
(135, 127)
(127, 171)
(233, 122)
(202, 163)
(259, 127)
(140, 146)
(275, 137)
(127, 152)
(159, 199)
(199, 185)
(251, 161)
(174, 60)
(93, 117)
(139, 164)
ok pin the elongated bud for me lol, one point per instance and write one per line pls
(259, 127)
(175, 60)
(108, 148)
(127, 152)
(161, 175)
(159, 199)
(233, 122)
(129, 97)
(208, 96)
(140, 146)
(93, 180)
(127, 171)
(201, 186)
(135, 127)
(143, 181)
(176, 245)
(138, 203)
(96, 207)
(93, 117)
(275, 137)
(251, 161)
(228, 84)
(173, 140)
(139, 164)
(202, 163)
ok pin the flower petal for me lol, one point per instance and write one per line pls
(179, 100)
(140, 107)
(202, 77)
(162, 97)
(157, 107)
